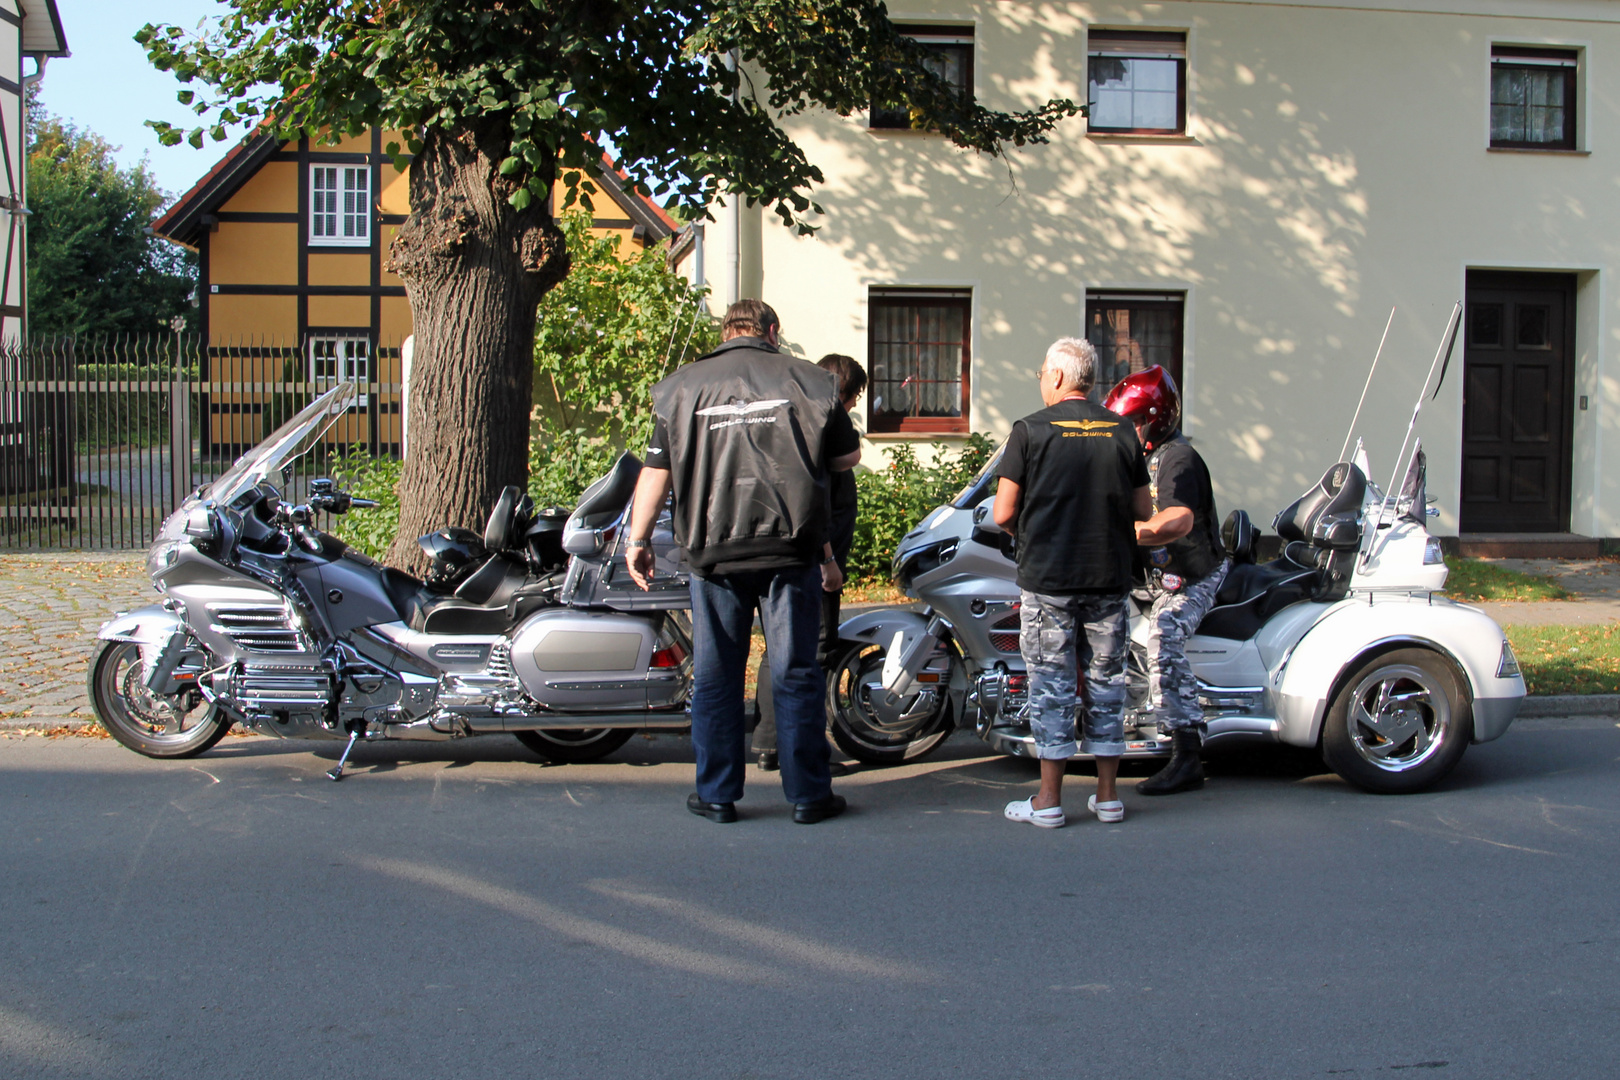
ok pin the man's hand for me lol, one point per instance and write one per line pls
(832, 578)
(640, 562)
(1004, 512)
(652, 488)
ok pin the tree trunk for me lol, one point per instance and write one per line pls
(474, 269)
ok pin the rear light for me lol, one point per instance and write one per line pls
(1508, 666)
(668, 657)
(1017, 683)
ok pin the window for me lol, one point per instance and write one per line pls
(1137, 82)
(334, 357)
(1533, 98)
(953, 61)
(917, 360)
(339, 205)
(1132, 332)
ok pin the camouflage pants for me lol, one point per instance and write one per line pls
(1060, 635)
(1172, 619)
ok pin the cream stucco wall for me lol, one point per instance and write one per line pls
(1335, 165)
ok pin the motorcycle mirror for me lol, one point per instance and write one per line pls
(201, 524)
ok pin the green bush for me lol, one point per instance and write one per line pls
(367, 477)
(895, 497)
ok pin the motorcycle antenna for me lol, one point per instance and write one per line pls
(1387, 324)
(1442, 353)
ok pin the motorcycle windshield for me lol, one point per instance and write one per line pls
(287, 443)
(983, 485)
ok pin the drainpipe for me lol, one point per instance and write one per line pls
(734, 212)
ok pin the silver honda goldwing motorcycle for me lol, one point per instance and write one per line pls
(1342, 643)
(533, 628)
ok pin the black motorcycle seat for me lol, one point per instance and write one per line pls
(1340, 491)
(1238, 537)
(1253, 593)
(406, 593)
(455, 615)
(493, 583)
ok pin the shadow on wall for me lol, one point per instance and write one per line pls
(1264, 213)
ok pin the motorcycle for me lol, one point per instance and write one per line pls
(533, 628)
(1343, 643)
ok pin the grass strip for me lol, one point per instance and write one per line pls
(1473, 581)
(1568, 659)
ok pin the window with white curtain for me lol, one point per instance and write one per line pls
(918, 359)
(340, 205)
(1533, 98)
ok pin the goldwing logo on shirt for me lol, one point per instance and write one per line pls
(740, 412)
(1087, 429)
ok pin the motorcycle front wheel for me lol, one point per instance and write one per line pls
(871, 730)
(181, 726)
(574, 746)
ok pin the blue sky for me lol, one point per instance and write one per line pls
(108, 87)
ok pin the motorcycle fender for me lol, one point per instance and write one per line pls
(150, 625)
(898, 630)
(1314, 669)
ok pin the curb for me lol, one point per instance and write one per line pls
(1570, 705)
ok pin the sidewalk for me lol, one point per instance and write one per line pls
(52, 602)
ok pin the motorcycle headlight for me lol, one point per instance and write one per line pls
(1432, 554)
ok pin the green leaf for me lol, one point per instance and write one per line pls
(511, 166)
(520, 198)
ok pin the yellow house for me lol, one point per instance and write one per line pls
(293, 239)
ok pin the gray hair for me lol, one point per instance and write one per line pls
(1076, 360)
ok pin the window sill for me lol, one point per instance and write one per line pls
(1557, 151)
(914, 436)
(904, 131)
(1120, 138)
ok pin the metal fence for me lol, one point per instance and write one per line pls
(101, 438)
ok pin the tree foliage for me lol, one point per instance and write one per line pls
(610, 330)
(556, 75)
(92, 268)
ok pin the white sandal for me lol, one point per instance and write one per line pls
(1106, 811)
(1024, 810)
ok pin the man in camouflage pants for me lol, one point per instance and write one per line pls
(1186, 565)
(1072, 484)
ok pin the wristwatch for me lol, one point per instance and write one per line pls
(829, 560)
(640, 543)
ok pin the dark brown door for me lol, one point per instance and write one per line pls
(1518, 376)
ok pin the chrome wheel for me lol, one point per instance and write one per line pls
(158, 726)
(869, 727)
(1400, 723)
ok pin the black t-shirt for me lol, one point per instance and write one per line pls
(839, 438)
(841, 518)
(1180, 478)
(1077, 467)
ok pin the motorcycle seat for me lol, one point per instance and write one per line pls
(513, 597)
(406, 593)
(1339, 494)
(1239, 536)
(1253, 593)
(601, 507)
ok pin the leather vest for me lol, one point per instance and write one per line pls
(746, 426)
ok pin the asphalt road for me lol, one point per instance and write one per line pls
(462, 911)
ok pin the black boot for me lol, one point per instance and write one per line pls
(1183, 772)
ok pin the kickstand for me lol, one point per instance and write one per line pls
(337, 773)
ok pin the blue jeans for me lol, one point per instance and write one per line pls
(789, 604)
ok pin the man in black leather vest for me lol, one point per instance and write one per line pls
(747, 438)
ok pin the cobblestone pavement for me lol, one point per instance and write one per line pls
(50, 606)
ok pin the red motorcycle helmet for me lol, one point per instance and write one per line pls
(1149, 400)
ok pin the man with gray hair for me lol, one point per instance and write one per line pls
(1073, 483)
